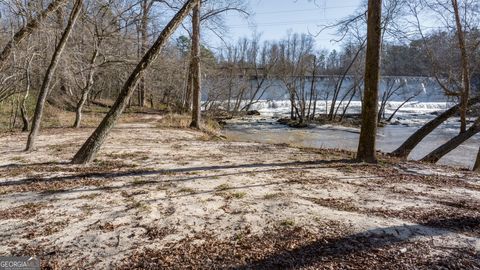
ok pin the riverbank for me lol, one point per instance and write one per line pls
(170, 198)
(265, 129)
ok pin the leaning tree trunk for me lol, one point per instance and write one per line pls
(366, 146)
(86, 90)
(28, 29)
(89, 149)
(456, 141)
(476, 167)
(406, 148)
(196, 75)
(37, 118)
(399, 107)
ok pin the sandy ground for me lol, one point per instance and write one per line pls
(160, 198)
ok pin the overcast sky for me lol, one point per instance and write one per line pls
(274, 18)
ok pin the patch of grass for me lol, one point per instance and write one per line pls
(166, 186)
(347, 169)
(232, 195)
(87, 208)
(223, 187)
(168, 172)
(129, 156)
(140, 182)
(209, 126)
(273, 196)
(187, 190)
(126, 194)
(141, 206)
(175, 121)
(287, 223)
(238, 195)
(109, 164)
(177, 146)
(57, 148)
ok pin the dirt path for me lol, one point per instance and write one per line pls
(160, 198)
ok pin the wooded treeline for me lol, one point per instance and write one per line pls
(124, 53)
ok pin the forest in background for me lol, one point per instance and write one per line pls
(74, 54)
(110, 38)
(111, 159)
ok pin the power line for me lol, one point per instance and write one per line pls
(303, 10)
(282, 23)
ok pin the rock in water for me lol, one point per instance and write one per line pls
(253, 112)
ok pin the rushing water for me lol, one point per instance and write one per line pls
(265, 129)
(429, 99)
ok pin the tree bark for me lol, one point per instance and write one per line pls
(476, 167)
(142, 87)
(28, 29)
(465, 95)
(89, 149)
(312, 86)
(86, 90)
(366, 146)
(188, 91)
(37, 118)
(196, 72)
(453, 143)
(23, 108)
(406, 148)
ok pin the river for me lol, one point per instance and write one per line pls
(264, 129)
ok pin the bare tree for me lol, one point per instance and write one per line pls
(449, 85)
(23, 108)
(195, 67)
(366, 146)
(42, 97)
(89, 149)
(86, 89)
(453, 143)
(28, 29)
(406, 148)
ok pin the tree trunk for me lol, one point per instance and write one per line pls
(465, 69)
(196, 74)
(312, 86)
(86, 90)
(338, 86)
(292, 106)
(366, 146)
(23, 108)
(399, 107)
(89, 149)
(64, 88)
(446, 148)
(406, 148)
(28, 29)
(142, 87)
(23, 111)
(345, 109)
(188, 91)
(37, 118)
(476, 167)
